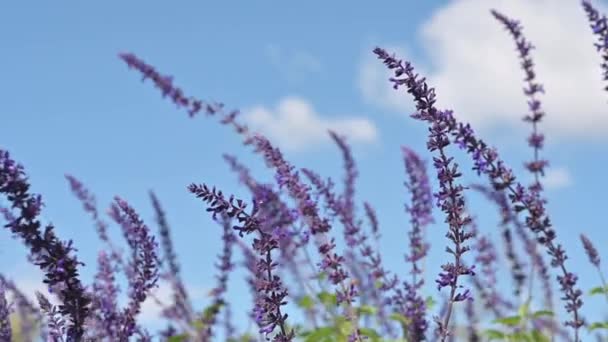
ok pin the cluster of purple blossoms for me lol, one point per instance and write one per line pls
(599, 26)
(536, 139)
(268, 283)
(181, 308)
(445, 129)
(142, 270)
(450, 197)
(54, 257)
(420, 209)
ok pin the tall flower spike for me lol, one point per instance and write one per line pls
(450, 197)
(348, 196)
(55, 322)
(283, 172)
(594, 258)
(420, 212)
(592, 253)
(485, 257)
(143, 266)
(536, 139)
(599, 26)
(54, 257)
(500, 199)
(273, 293)
(181, 308)
(106, 291)
(177, 96)
(332, 263)
(487, 161)
(89, 204)
(280, 216)
(224, 267)
(353, 233)
(509, 217)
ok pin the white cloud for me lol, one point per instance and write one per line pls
(161, 297)
(295, 125)
(556, 178)
(476, 72)
(294, 65)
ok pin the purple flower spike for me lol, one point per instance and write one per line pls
(592, 253)
(420, 210)
(269, 286)
(536, 166)
(181, 308)
(143, 266)
(54, 257)
(599, 26)
(443, 125)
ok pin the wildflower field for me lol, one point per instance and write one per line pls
(305, 250)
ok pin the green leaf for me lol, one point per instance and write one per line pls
(524, 309)
(321, 334)
(306, 302)
(178, 338)
(598, 325)
(429, 302)
(541, 313)
(399, 318)
(371, 333)
(367, 310)
(520, 336)
(494, 334)
(212, 310)
(509, 321)
(598, 290)
(344, 327)
(329, 299)
(537, 336)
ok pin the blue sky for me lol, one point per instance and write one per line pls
(69, 105)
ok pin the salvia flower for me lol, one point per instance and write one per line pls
(55, 322)
(54, 257)
(106, 291)
(443, 125)
(177, 96)
(181, 308)
(517, 266)
(279, 217)
(536, 139)
(599, 26)
(486, 258)
(592, 253)
(594, 258)
(331, 262)
(420, 211)
(509, 217)
(143, 266)
(450, 200)
(273, 293)
(89, 204)
(224, 267)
